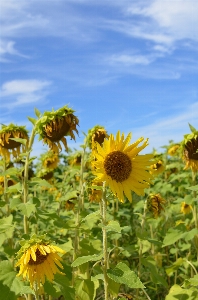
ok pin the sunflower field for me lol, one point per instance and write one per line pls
(102, 222)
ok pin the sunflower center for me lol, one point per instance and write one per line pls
(99, 137)
(57, 129)
(11, 143)
(40, 258)
(191, 148)
(118, 166)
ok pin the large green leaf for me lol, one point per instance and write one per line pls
(6, 229)
(113, 226)
(122, 274)
(150, 263)
(6, 293)
(8, 278)
(85, 289)
(177, 293)
(193, 188)
(172, 236)
(83, 259)
(27, 208)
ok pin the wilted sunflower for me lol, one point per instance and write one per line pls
(190, 149)
(75, 158)
(157, 168)
(185, 208)
(46, 174)
(53, 126)
(38, 260)
(96, 134)
(173, 150)
(121, 167)
(69, 205)
(9, 146)
(155, 204)
(50, 160)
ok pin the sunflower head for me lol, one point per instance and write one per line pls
(69, 205)
(185, 208)
(96, 134)
(95, 195)
(157, 168)
(75, 158)
(121, 166)
(155, 204)
(50, 160)
(9, 146)
(38, 260)
(173, 150)
(53, 126)
(189, 148)
(46, 174)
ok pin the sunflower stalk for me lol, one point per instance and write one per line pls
(25, 183)
(104, 231)
(5, 190)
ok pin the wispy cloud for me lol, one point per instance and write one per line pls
(170, 128)
(20, 92)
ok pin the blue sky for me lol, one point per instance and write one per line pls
(126, 65)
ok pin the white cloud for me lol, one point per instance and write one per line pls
(19, 92)
(169, 128)
(129, 60)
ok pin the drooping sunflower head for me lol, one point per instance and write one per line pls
(157, 168)
(54, 126)
(185, 208)
(75, 158)
(96, 134)
(173, 150)
(69, 205)
(95, 194)
(121, 166)
(9, 146)
(46, 174)
(155, 204)
(38, 260)
(189, 148)
(50, 160)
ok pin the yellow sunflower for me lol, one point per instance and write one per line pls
(95, 194)
(39, 260)
(190, 149)
(69, 205)
(9, 146)
(50, 160)
(157, 168)
(121, 167)
(185, 208)
(155, 204)
(53, 126)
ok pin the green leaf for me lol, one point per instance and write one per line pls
(14, 202)
(150, 263)
(172, 236)
(10, 171)
(71, 195)
(193, 129)
(85, 289)
(37, 112)
(19, 140)
(122, 274)
(32, 120)
(95, 215)
(177, 293)
(8, 277)
(6, 293)
(27, 208)
(6, 228)
(170, 270)
(193, 188)
(64, 285)
(15, 188)
(113, 226)
(83, 259)
(41, 182)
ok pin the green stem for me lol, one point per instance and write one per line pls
(5, 190)
(31, 140)
(104, 231)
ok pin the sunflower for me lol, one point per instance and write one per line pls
(190, 149)
(95, 194)
(53, 126)
(50, 160)
(157, 168)
(185, 208)
(46, 174)
(69, 205)
(75, 158)
(155, 204)
(96, 134)
(173, 150)
(121, 167)
(9, 146)
(38, 260)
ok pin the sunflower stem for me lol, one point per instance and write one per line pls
(25, 195)
(5, 190)
(104, 231)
